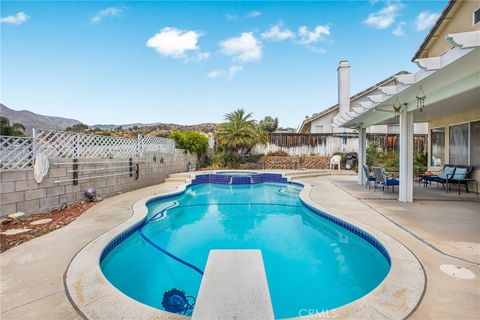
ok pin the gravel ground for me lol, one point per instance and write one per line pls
(60, 218)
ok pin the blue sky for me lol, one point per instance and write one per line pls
(192, 62)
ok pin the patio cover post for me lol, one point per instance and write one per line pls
(405, 193)
(362, 148)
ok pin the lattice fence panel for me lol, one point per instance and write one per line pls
(19, 152)
(16, 153)
(64, 144)
(157, 144)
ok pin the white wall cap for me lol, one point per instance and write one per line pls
(377, 98)
(389, 90)
(433, 63)
(464, 39)
(406, 79)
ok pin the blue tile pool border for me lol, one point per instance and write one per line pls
(232, 180)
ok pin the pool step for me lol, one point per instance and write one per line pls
(234, 286)
(183, 177)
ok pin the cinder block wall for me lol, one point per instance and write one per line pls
(21, 193)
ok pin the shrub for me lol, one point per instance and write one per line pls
(279, 153)
(192, 141)
(420, 162)
(373, 153)
(224, 160)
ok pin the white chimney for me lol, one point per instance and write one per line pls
(344, 86)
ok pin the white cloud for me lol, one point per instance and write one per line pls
(317, 49)
(230, 73)
(233, 70)
(253, 14)
(216, 73)
(244, 48)
(232, 17)
(319, 33)
(277, 34)
(384, 18)
(176, 43)
(425, 20)
(17, 19)
(108, 12)
(399, 31)
(250, 15)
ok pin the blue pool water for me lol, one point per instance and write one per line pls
(310, 262)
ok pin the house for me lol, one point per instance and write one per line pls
(445, 93)
(322, 122)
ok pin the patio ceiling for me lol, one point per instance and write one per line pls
(451, 84)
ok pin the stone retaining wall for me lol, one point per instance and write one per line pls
(20, 192)
(289, 162)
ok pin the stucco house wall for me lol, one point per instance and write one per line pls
(462, 22)
(446, 122)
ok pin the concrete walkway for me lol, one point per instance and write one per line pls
(446, 297)
(32, 273)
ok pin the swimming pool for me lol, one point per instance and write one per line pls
(311, 262)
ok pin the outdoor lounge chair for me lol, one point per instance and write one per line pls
(426, 179)
(368, 178)
(445, 177)
(461, 176)
(382, 179)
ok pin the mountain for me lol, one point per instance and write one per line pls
(33, 120)
(124, 126)
(157, 129)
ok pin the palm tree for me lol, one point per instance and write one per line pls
(14, 129)
(240, 133)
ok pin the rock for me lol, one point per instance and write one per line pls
(12, 232)
(41, 221)
(16, 215)
(6, 220)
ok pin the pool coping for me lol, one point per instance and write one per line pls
(94, 297)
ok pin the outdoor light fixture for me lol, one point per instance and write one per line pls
(421, 99)
(397, 106)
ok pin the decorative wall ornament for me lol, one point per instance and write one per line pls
(421, 98)
(397, 107)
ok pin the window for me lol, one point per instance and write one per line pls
(475, 144)
(318, 129)
(458, 144)
(437, 147)
(476, 16)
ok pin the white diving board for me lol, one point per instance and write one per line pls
(234, 286)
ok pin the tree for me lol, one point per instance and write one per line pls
(269, 124)
(79, 127)
(8, 129)
(240, 133)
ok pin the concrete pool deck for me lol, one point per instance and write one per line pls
(32, 274)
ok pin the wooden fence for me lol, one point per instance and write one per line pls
(326, 144)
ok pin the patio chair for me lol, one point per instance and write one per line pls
(461, 176)
(382, 179)
(430, 177)
(445, 177)
(368, 178)
(335, 161)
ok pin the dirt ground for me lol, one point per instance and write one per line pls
(60, 218)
